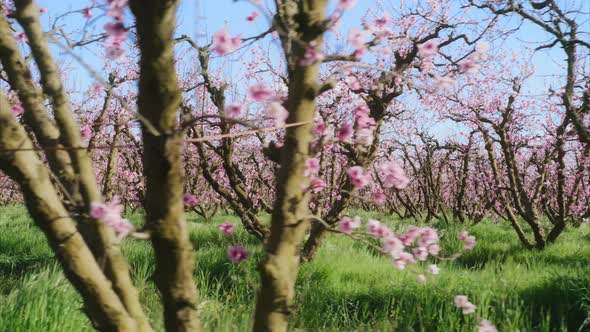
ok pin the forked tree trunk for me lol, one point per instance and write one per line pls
(102, 305)
(159, 102)
(65, 133)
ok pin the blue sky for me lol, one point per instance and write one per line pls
(216, 14)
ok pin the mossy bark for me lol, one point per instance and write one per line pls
(299, 23)
(159, 102)
(102, 304)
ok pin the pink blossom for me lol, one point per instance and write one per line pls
(252, 17)
(96, 88)
(428, 49)
(347, 225)
(17, 109)
(116, 31)
(428, 236)
(123, 227)
(237, 254)
(110, 214)
(470, 242)
(393, 175)
(462, 302)
(226, 228)
(21, 36)
(383, 22)
(233, 110)
(486, 326)
(375, 228)
(353, 82)
(42, 10)
(87, 12)
(311, 167)
(358, 176)
(402, 260)
(469, 66)
(421, 278)
(434, 249)
(320, 126)
(260, 92)
(97, 210)
(462, 235)
(364, 136)
(433, 269)
(356, 39)
(420, 253)
(224, 43)
(378, 197)
(443, 82)
(116, 8)
(86, 132)
(316, 184)
(189, 200)
(115, 53)
(394, 247)
(278, 113)
(345, 132)
(410, 236)
(312, 56)
(346, 4)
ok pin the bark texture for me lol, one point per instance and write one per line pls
(159, 102)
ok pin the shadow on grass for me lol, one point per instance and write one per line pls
(564, 299)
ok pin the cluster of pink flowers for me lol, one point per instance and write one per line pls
(393, 176)
(345, 132)
(462, 302)
(116, 9)
(189, 200)
(260, 92)
(356, 39)
(224, 43)
(428, 49)
(378, 197)
(472, 64)
(347, 225)
(237, 254)
(364, 125)
(275, 110)
(311, 170)
(116, 35)
(345, 4)
(110, 214)
(359, 177)
(312, 56)
(233, 110)
(226, 228)
(416, 244)
(252, 17)
(468, 240)
(484, 325)
(17, 109)
(87, 12)
(85, 133)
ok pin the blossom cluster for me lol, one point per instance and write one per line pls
(116, 32)
(110, 214)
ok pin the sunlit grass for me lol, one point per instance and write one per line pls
(346, 288)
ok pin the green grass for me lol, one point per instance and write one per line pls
(346, 288)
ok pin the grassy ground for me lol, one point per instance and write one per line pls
(347, 288)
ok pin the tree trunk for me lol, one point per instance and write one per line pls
(289, 222)
(159, 101)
